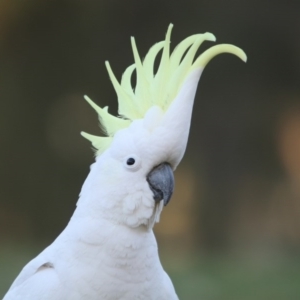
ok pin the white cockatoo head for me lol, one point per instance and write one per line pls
(132, 178)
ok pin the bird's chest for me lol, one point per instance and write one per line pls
(113, 272)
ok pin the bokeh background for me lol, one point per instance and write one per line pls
(232, 229)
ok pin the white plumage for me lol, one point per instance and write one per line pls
(108, 249)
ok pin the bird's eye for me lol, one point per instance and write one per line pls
(132, 162)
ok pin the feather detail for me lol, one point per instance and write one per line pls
(109, 123)
(210, 53)
(181, 65)
(141, 89)
(126, 107)
(148, 63)
(154, 89)
(126, 81)
(161, 77)
(99, 143)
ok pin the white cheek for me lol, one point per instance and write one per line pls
(130, 203)
(133, 221)
(147, 200)
(137, 208)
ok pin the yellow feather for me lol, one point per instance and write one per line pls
(148, 63)
(161, 77)
(181, 65)
(154, 89)
(110, 124)
(142, 86)
(99, 143)
(210, 53)
(126, 80)
(126, 107)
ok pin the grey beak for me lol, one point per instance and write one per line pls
(161, 182)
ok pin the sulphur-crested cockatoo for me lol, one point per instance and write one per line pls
(108, 249)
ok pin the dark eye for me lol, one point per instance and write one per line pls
(130, 161)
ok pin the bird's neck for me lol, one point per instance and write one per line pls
(115, 246)
(100, 230)
(103, 236)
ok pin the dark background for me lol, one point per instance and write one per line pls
(238, 187)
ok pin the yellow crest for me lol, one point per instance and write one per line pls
(153, 88)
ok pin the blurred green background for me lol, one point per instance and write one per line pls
(232, 229)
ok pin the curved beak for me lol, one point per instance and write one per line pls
(161, 182)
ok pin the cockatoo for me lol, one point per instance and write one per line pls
(108, 249)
